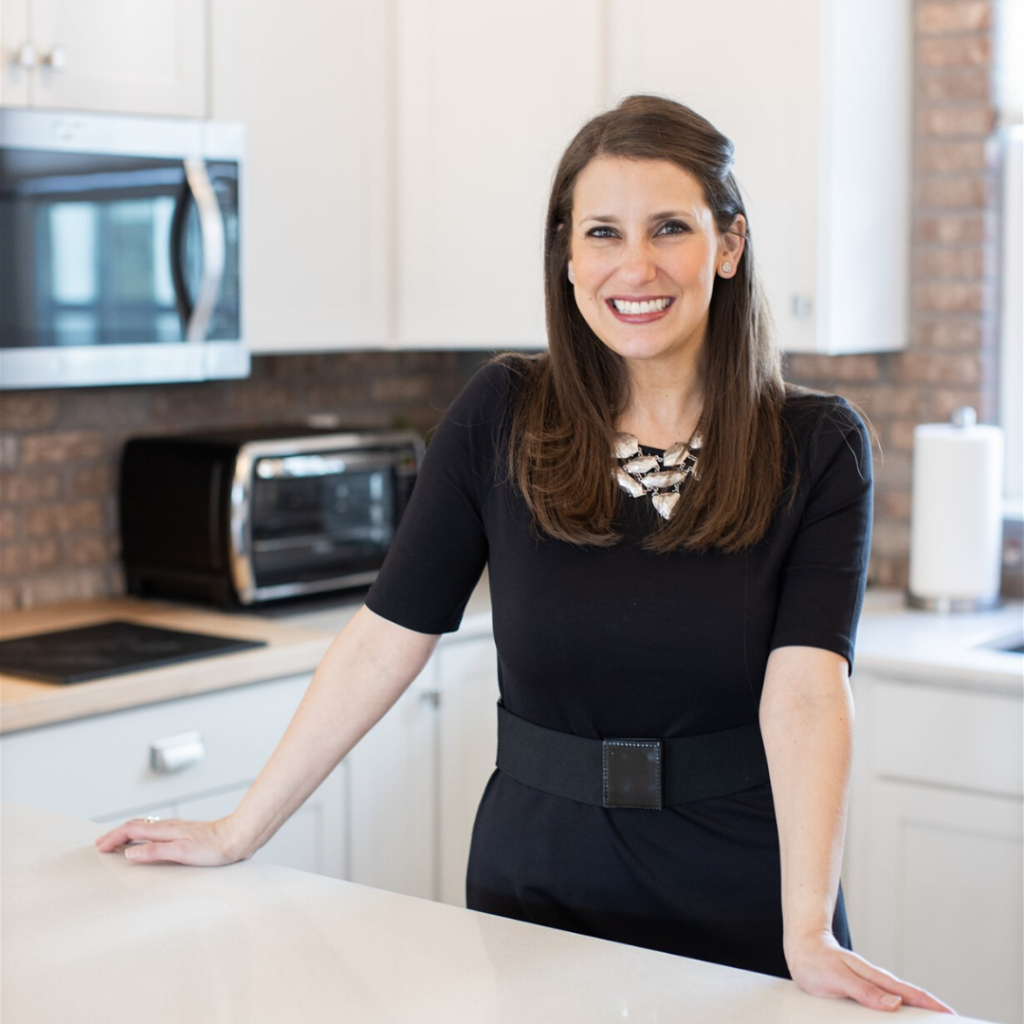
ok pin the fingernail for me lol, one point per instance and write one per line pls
(131, 852)
(891, 1001)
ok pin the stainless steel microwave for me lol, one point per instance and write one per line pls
(120, 249)
(245, 517)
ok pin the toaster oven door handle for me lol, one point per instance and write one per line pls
(196, 316)
(315, 464)
(240, 519)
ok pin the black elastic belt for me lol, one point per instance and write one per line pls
(637, 773)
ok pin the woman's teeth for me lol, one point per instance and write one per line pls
(635, 308)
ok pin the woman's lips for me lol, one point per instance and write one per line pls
(639, 310)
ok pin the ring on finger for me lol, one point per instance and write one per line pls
(150, 818)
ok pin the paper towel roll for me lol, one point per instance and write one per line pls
(956, 521)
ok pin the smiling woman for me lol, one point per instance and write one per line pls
(675, 722)
(644, 207)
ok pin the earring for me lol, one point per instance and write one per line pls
(726, 268)
(572, 276)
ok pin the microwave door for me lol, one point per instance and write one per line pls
(198, 196)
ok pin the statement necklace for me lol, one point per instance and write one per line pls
(660, 476)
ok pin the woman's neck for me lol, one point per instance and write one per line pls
(663, 407)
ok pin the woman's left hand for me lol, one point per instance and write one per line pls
(821, 966)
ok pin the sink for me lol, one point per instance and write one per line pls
(1012, 644)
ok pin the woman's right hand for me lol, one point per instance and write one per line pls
(200, 843)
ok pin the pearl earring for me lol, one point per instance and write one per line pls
(726, 268)
(572, 276)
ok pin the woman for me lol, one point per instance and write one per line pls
(677, 546)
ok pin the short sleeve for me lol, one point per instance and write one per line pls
(440, 548)
(825, 569)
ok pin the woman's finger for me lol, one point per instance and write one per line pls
(136, 830)
(175, 851)
(909, 994)
(868, 994)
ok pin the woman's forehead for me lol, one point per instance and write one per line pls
(617, 187)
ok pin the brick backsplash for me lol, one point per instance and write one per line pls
(59, 449)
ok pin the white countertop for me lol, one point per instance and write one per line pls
(941, 648)
(93, 938)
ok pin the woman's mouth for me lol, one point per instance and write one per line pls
(639, 311)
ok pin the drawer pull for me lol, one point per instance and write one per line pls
(176, 753)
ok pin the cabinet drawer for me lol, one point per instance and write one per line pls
(102, 766)
(947, 737)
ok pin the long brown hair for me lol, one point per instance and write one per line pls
(570, 397)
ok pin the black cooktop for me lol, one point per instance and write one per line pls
(108, 649)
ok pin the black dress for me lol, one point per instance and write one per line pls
(621, 641)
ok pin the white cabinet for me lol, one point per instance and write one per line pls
(417, 777)
(817, 103)
(393, 796)
(488, 96)
(936, 844)
(400, 154)
(399, 161)
(103, 767)
(105, 55)
(311, 82)
(467, 681)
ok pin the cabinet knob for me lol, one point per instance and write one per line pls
(26, 57)
(432, 698)
(176, 753)
(57, 59)
(801, 306)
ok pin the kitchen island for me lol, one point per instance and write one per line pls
(90, 937)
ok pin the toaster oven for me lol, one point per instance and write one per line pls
(245, 517)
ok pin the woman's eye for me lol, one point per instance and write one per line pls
(673, 227)
(601, 232)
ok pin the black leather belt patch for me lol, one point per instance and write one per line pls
(631, 773)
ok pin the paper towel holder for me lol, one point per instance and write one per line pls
(964, 418)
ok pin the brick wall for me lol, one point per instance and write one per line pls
(951, 357)
(59, 449)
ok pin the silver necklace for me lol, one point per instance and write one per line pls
(660, 476)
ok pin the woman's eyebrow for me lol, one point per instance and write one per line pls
(600, 218)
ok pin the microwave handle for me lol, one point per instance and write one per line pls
(195, 317)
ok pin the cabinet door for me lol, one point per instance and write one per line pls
(392, 796)
(944, 904)
(754, 75)
(468, 686)
(488, 97)
(140, 58)
(311, 83)
(817, 103)
(102, 767)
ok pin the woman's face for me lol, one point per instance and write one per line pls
(644, 254)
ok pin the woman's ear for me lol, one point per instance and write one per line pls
(733, 242)
(572, 276)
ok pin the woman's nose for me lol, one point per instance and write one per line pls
(638, 265)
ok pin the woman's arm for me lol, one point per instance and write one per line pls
(365, 670)
(807, 726)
